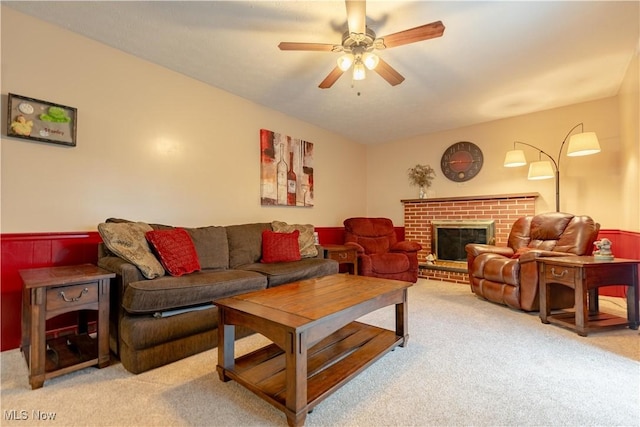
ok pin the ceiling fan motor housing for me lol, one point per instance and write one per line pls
(354, 42)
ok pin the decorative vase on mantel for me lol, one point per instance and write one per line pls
(421, 176)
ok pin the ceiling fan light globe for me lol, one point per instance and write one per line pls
(345, 61)
(359, 71)
(370, 60)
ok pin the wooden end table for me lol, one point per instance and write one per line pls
(344, 255)
(317, 344)
(585, 274)
(49, 292)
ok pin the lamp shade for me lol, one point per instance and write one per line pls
(583, 144)
(514, 158)
(540, 170)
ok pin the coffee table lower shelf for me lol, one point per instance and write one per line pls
(331, 363)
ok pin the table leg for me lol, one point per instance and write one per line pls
(296, 379)
(545, 302)
(25, 341)
(38, 339)
(594, 302)
(633, 315)
(582, 310)
(226, 346)
(402, 319)
(103, 324)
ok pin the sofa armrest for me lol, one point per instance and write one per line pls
(125, 272)
(320, 252)
(406, 246)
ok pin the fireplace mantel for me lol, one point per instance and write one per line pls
(504, 209)
(474, 198)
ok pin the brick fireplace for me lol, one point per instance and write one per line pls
(419, 215)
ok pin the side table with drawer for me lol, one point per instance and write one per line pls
(344, 255)
(585, 274)
(49, 292)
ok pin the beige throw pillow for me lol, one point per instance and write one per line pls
(127, 240)
(306, 241)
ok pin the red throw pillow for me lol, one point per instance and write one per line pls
(175, 249)
(280, 247)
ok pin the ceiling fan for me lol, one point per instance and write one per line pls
(359, 42)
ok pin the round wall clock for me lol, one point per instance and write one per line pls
(461, 161)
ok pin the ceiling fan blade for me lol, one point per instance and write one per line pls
(388, 73)
(306, 46)
(356, 16)
(333, 76)
(423, 32)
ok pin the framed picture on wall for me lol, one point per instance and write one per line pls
(286, 169)
(43, 121)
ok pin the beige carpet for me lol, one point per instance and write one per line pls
(468, 362)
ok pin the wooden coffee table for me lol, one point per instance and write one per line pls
(317, 345)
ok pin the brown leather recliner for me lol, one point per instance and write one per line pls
(509, 275)
(380, 254)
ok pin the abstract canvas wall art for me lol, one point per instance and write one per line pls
(286, 170)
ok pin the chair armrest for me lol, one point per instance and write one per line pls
(534, 254)
(357, 247)
(406, 246)
(475, 249)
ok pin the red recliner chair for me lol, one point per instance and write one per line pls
(380, 254)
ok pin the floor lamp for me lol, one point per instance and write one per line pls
(580, 144)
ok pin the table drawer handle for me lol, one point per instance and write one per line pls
(343, 256)
(553, 272)
(84, 291)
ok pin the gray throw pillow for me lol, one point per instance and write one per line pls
(306, 241)
(127, 240)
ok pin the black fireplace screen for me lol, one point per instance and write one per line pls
(450, 239)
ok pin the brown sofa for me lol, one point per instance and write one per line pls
(157, 321)
(509, 275)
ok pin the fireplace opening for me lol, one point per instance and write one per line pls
(449, 237)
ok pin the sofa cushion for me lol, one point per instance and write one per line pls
(280, 247)
(202, 287)
(211, 245)
(306, 239)
(286, 272)
(127, 240)
(245, 243)
(175, 249)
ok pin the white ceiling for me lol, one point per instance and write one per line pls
(495, 59)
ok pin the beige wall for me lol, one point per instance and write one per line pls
(156, 146)
(588, 185)
(629, 98)
(153, 145)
